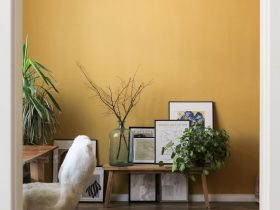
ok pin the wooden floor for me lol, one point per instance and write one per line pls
(168, 206)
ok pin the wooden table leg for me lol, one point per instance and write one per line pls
(205, 190)
(37, 170)
(109, 189)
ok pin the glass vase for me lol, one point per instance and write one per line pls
(119, 146)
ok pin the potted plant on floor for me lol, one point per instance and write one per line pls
(199, 147)
(39, 118)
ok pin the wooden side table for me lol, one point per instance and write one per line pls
(149, 168)
(37, 157)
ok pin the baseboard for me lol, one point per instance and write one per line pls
(224, 198)
(200, 197)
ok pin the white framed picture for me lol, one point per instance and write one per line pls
(168, 131)
(174, 187)
(144, 150)
(142, 187)
(60, 153)
(94, 190)
(194, 111)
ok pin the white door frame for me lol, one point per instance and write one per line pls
(269, 104)
(264, 104)
(10, 105)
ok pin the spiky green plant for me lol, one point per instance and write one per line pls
(39, 119)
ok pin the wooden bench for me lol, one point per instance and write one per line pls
(149, 168)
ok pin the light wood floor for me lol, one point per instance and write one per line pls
(168, 206)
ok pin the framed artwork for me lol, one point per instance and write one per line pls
(60, 153)
(142, 187)
(174, 187)
(193, 111)
(167, 131)
(139, 132)
(143, 150)
(94, 190)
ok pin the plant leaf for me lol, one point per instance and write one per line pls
(42, 66)
(36, 68)
(182, 167)
(192, 177)
(174, 167)
(53, 100)
(205, 172)
(162, 150)
(24, 53)
(51, 83)
(160, 163)
(39, 107)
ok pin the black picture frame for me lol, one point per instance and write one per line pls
(175, 107)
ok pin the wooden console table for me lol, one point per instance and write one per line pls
(37, 157)
(149, 168)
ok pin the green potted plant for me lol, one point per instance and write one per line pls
(39, 118)
(199, 147)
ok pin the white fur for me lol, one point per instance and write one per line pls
(75, 171)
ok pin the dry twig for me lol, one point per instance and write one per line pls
(121, 102)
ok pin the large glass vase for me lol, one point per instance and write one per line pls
(119, 146)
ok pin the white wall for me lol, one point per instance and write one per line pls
(275, 104)
(10, 106)
(270, 104)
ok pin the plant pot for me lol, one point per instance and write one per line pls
(119, 153)
(200, 163)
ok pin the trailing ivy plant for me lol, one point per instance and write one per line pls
(199, 147)
(39, 119)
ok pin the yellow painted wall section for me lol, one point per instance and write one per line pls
(192, 50)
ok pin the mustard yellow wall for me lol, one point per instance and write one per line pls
(191, 49)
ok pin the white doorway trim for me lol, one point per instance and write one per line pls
(10, 105)
(264, 103)
(10, 36)
(269, 104)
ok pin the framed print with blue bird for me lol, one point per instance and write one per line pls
(194, 111)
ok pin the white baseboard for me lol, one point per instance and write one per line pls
(224, 198)
(200, 197)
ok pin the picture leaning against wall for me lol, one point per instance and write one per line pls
(142, 187)
(168, 131)
(200, 112)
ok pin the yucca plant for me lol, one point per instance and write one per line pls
(39, 119)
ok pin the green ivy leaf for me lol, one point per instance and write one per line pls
(162, 150)
(182, 167)
(205, 172)
(160, 163)
(170, 144)
(174, 167)
(192, 177)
